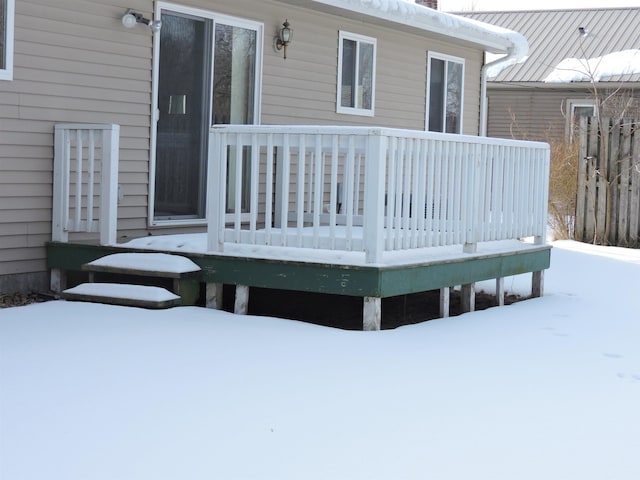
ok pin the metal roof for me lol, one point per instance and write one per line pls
(554, 35)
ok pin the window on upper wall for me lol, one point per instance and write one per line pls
(6, 39)
(356, 74)
(578, 109)
(445, 92)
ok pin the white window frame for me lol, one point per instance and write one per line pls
(446, 58)
(358, 39)
(6, 73)
(572, 104)
(216, 18)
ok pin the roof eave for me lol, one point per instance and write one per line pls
(562, 85)
(491, 38)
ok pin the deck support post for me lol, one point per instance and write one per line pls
(445, 302)
(372, 313)
(214, 296)
(241, 306)
(537, 284)
(58, 281)
(500, 291)
(468, 298)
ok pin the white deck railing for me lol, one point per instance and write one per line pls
(372, 189)
(85, 181)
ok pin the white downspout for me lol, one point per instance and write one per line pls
(515, 53)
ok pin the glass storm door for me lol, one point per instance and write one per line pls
(206, 75)
(183, 99)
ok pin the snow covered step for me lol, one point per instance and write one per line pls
(123, 294)
(183, 272)
(145, 264)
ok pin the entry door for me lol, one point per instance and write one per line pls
(206, 74)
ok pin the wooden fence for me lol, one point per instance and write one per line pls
(608, 197)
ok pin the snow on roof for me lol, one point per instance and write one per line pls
(626, 62)
(405, 12)
(554, 35)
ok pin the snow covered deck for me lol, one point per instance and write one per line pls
(324, 271)
(361, 211)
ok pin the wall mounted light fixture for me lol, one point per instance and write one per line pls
(131, 18)
(285, 35)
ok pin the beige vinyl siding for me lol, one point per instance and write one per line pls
(302, 89)
(75, 63)
(529, 114)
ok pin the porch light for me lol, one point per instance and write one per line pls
(285, 34)
(131, 18)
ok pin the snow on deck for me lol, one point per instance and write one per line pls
(197, 243)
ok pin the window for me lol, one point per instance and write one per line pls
(6, 39)
(356, 74)
(577, 109)
(445, 89)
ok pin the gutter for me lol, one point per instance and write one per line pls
(516, 53)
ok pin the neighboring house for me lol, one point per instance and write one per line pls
(349, 63)
(571, 53)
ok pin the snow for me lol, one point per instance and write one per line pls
(626, 62)
(407, 12)
(148, 261)
(197, 243)
(117, 290)
(546, 388)
(495, 69)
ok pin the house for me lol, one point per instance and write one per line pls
(352, 127)
(577, 60)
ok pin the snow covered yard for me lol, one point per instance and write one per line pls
(543, 389)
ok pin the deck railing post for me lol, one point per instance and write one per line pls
(216, 189)
(278, 220)
(542, 199)
(474, 199)
(373, 221)
(60, 186)
(109, 185)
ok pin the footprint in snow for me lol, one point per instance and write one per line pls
(552, 331)
(612, 355)
(633, 377)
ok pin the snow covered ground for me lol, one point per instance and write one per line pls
(545, 389)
